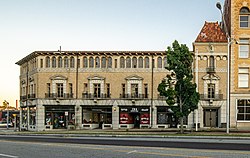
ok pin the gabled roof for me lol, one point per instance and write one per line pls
(211, 32)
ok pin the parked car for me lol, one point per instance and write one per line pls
(4, 124)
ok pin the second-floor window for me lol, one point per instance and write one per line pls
(108, 90)
(97, 90)
(211, 90)
(244, 48)
(59, 87)
(48, 88)
(123, 89)
(146, 90)
(134, 90)
(70, 88)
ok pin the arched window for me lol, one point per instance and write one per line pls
(122, 62)
(128, 62)
(146, 62)
(244, 17)
(47, 61)
(60, 62)
(159, 62)
(134, 62)
(140, 62)
(165, 62)
(244, 10)
(85, 62)
(109, 62)
(91, 62)
(53, 62)
(211, 62)
(66, 62)
(103, 62)
(72, 62)
(97, 62)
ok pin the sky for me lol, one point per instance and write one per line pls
(82, 25)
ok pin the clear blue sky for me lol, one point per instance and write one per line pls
(32, 25)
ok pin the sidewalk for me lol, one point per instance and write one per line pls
(170, 132)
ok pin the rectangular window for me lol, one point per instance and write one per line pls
(123, 90)
(243, 110)
(85, 88)
(244, 21)
(211, 91)
(70, 90)
(243, 78)
(244, 48)
(108, 90)
(97, 90)
(134, 90)
(48, 90)
(59, 87)
(146, 90)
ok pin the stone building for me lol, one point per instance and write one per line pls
(93, 89)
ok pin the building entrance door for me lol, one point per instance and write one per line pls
(211, 117)
(136, 118)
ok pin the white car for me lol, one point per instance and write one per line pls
(4, 124)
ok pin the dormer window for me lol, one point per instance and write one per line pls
(244, 17)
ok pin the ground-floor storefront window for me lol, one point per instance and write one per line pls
(97, 115)
(24, 116)
(59, 117)
(32, 115)
(165, 116)
(134, 115)
(243, 108)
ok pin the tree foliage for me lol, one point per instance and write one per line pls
(178, 87)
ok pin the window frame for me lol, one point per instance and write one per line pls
(243, 109)
(244, 73)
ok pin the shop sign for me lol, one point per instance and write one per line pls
(134, 109)
(66, 113)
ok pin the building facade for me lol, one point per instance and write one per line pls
(93, 89)
(210, 74)
(237, 16)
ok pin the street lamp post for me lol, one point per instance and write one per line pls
(218, 5)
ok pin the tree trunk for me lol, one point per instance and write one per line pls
(181, 120)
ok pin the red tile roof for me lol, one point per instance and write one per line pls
(211, 32)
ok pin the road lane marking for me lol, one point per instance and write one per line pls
(5, 155)
(130, 152)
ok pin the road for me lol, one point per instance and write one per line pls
(95, 147)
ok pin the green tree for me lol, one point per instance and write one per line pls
(178, 88)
